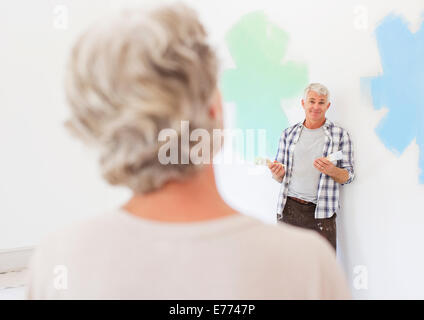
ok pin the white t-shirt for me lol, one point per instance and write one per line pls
(305, 177)
(120, 256)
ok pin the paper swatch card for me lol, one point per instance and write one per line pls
(263, 161)
(335, 156)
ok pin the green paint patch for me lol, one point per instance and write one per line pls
(261, 78)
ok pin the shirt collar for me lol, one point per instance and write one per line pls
(326, 124)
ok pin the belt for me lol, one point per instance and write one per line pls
(300, 200)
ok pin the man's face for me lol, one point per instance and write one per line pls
(315, 106)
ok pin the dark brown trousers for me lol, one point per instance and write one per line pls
(302, 215)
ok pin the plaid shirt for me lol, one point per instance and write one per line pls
(336, 138)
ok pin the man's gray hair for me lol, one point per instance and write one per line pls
(318, 88)
(132, 76)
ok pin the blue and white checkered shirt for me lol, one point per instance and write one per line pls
(336, 139)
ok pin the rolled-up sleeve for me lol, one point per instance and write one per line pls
(279, 156)
(347, 162)
(281, 143)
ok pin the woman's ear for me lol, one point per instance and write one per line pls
(215, 107)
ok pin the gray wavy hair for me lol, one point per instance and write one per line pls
(132, 76)
(318, 88)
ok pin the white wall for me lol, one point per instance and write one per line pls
(48, 179)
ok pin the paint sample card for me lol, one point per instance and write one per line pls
(335, 156)
(263, 161)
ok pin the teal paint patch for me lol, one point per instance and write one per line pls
(261, 78)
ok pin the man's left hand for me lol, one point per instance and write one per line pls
(325, 166)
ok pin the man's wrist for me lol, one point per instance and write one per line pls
(341, 175)
(278, 179)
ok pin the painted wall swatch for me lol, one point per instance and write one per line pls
(261, 78)
(401, 86)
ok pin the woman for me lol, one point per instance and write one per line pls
(128, 80)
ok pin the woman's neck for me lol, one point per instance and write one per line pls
(195, 199)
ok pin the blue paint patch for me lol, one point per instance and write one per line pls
(401, 86)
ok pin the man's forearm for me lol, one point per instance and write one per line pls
(340, 175)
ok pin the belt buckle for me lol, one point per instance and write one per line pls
(300, 200)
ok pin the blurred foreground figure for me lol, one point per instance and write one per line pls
(130, 82)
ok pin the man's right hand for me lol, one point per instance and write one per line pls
(277, 169)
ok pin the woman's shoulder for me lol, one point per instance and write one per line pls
(283, 241)
(78, 233)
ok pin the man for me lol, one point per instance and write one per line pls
(310, 190)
